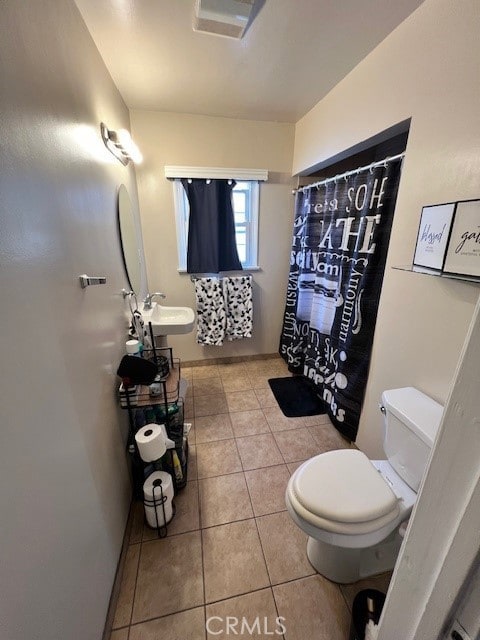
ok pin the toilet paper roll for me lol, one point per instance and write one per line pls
(152, 520)
(150, 442)
(151, 486)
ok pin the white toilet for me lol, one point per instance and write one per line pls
(352, 507)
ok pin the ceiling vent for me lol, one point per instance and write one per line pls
(222, 17)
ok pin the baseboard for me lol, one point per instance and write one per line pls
(112, 605)
(229, 360)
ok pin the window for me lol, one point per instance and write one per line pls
(245, 208)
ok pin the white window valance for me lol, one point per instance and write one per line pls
(218, 173)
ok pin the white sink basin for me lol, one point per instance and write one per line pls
(169, 320)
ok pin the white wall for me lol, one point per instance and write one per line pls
(64, 479)
(178, 139)
(427, 69)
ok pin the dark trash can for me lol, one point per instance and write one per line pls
(367, 605)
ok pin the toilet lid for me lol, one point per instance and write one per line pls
(343, 486)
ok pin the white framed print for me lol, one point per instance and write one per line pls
(433, 233)
(463, 253)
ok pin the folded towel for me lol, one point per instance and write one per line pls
(371, 631)
(237, 291)
(210, 311)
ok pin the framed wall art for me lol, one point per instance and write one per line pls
(433, 234)
(463, 252)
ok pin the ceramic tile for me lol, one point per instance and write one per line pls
(313, 608)
(120, 634)
(137, 518)
(211, 428)
(186, 625)
(189, 392)
(205, 371)
(217, 458)
(207, 386)
(380, 582)
(293, 466)
(267, 489)
(233, 560)
(187, 516)
(297, 444)
(255, 366)
(188, 409)
(210, 405)
(192, 470)
(123, 610)
(310, 421)
(249, 423)
(260, 380)
(242, 400)
(285, 548)
(264, 365)
(259, 451)
(236, 383)
(328, 438)
(250, 607)
(275, 371)
(191, 433)
(224, 499)
(278, 422)
(266, 398)
(231, 370)
(169, 576)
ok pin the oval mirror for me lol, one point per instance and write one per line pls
(129, 239)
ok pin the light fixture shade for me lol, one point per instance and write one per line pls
(120, 144)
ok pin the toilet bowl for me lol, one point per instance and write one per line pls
(352, 507)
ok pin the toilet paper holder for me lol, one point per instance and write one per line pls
(87, 281)
(163, 529)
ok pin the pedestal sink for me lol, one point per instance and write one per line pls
(168, 320)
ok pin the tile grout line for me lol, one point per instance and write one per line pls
(204, 591)
(255, 519)
(135, 586)
(238, 595)
(261, 547)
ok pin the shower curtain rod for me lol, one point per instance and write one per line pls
(378, 163)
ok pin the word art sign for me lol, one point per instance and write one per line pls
(433, 234)
(463, 253)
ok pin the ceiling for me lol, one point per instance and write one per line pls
(292, 54)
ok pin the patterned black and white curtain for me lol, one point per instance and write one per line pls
(340, 241)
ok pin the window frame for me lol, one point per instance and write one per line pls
(251, 226)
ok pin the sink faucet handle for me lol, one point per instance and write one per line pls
(150, 296)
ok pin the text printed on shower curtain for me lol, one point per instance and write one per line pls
(340, 242)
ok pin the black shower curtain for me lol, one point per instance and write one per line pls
(340, 242)
(211, 231)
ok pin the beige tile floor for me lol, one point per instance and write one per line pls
(232, 550)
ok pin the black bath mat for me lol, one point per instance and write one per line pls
(297, 396)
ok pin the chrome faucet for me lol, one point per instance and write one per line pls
(147, 302)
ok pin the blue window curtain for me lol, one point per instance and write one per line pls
(211, 245)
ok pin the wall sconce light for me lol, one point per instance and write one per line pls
(121, 145)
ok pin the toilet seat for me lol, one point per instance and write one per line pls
(342, 492)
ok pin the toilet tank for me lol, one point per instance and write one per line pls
(411, 421)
